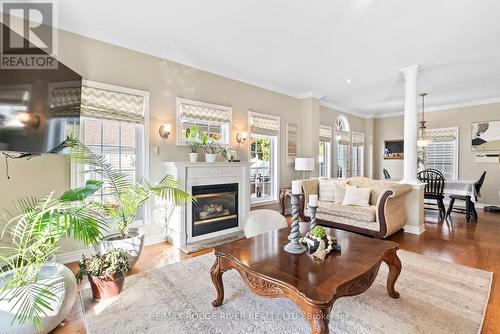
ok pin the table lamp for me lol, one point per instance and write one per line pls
(305, 165)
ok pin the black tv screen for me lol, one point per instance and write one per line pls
(39, 108)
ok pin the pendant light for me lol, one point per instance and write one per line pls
(423, 140)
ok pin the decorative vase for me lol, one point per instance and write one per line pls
(193, 157)
(133, 244)
(106, 286)
(51, 274)
(210, 157)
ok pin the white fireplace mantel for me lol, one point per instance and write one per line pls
(190, 174)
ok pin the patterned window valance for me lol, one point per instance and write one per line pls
(443, 134)
(14, 95)
(325, 133)
(264, 124)
(358, 139)
(106, 104)
(65, 101)
(205, 112)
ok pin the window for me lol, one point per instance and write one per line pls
(342, 139)
(264, 134)
(358, 142)
(442, 153)
(325, 139)
(113, 125)
(211, 119)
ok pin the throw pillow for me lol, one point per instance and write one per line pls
(327, 190)
(357, 196)
(340, 187)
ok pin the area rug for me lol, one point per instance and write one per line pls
(211, 243)
(436, 297)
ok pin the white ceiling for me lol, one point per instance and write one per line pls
(303, 47)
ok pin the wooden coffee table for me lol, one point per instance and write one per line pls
(312, 284)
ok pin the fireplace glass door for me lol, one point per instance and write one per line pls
(215, 209)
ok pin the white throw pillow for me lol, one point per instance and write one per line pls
(357, 196)
(327, 190)
(340, 187)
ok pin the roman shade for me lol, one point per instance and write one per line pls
(106, 104)
(65, 102)
(325, 133)
(264, 125)
(342, 138)
(198, 111)
(358, 139)
(444, 134)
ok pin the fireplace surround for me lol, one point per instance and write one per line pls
(222, 192)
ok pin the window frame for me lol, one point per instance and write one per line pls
(361, 134)
(179, 101)
(76, 176)
(456, 149)
(275, 156)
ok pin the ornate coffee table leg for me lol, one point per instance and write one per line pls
(318, 318)
(392, 260)
(216, 273)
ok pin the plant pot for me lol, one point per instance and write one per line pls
(193, 157)
(133, 244)
(106, 286)
(63, 281)
(304, 227)
(210, 157)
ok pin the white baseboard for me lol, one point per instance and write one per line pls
(418, 230)
(73, 256)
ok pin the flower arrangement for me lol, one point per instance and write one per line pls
(99, 265)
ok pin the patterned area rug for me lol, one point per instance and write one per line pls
(436, 297)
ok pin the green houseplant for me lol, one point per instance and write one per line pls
(106, 272)
(36, 294)
(128, 197)
(211, 146)
(192, 138)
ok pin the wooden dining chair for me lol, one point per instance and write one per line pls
(434, 188)
(387, 176)
(470, 206)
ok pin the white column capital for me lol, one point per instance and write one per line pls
(410, 70)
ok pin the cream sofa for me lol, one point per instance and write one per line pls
(384, 216)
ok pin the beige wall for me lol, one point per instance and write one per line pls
(392, 128)
(165, 80)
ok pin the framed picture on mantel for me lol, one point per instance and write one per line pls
(291, 143)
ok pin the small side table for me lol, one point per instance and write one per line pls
(286, 192)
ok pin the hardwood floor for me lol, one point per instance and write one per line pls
(473, 245)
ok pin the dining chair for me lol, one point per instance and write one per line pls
(262, 221)
(387, 176)
(470, 206)
(434, 188)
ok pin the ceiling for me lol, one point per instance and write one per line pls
(315, 47)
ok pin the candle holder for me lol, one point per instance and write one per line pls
(294, 246)
(312, 212)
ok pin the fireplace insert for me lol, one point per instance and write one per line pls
(215, 209)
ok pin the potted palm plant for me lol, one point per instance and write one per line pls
(106, 272)
(211, 146)
(37, 294)
(192, 138)
(128, 198)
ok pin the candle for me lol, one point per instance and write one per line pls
(313, 200)
(296, 187)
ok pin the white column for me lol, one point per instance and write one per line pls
(410, 124)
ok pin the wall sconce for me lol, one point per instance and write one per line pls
(29, 119)
(241, 137)
(165, 130)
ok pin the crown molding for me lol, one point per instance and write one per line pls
(344, 110)
(312, 94)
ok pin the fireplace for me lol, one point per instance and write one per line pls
(215, 209)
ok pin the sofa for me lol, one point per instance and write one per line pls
(382, 215)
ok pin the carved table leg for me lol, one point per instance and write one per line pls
(318, 318)
(392, 260)
(216, 273)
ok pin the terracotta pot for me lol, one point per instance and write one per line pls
(106, 286)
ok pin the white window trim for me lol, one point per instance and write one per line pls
(178, 107)
(456, 147)
(276, 165)
(76, 168)
(329, 153)
(361, 134)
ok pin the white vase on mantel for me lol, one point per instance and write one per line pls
(193, 157)
(210, 157)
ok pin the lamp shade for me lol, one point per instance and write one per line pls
(304, 164)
